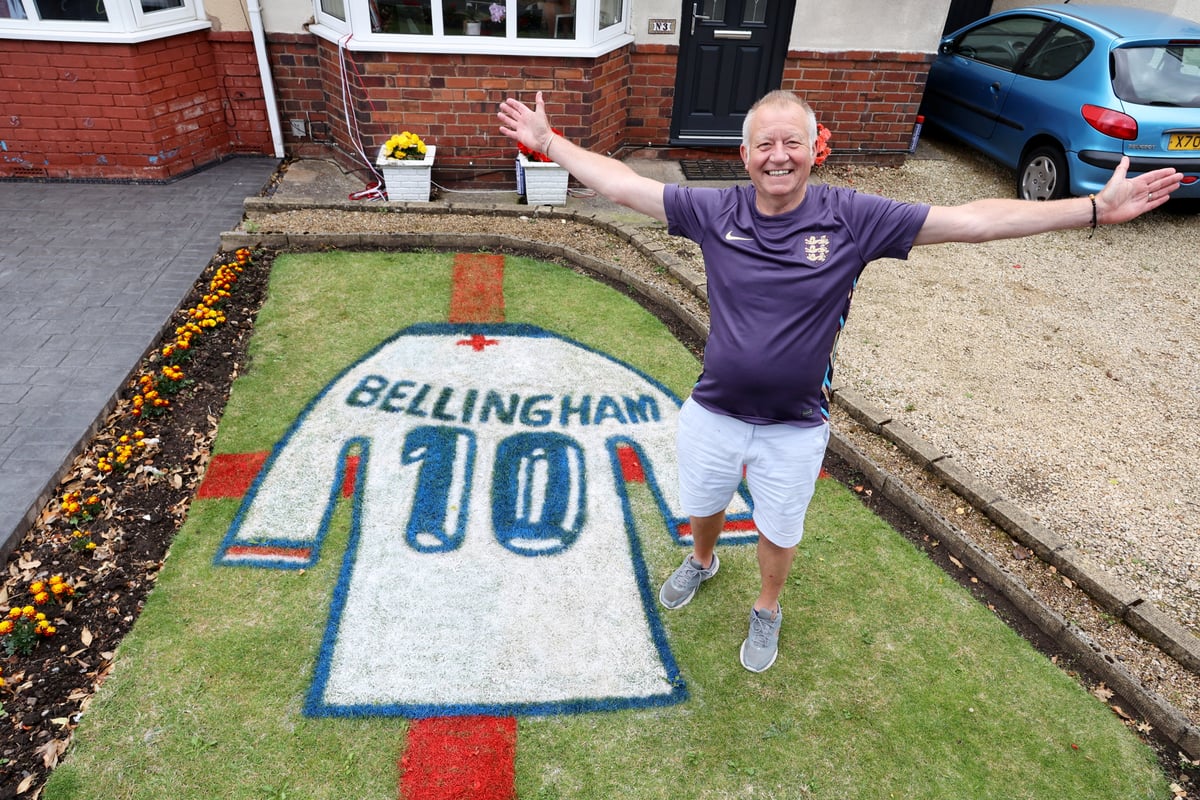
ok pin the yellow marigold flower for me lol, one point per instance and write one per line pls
(41, 598)
(39, 586)
(14, 612)
(29, 612)
(6, 627)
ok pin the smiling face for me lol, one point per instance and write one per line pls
(778, 150)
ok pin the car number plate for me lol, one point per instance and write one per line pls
(1184, 141)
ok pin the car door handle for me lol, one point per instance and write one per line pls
(995, 87)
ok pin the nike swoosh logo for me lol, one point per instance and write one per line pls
(729, 237)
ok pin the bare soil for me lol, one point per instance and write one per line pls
(139, 511)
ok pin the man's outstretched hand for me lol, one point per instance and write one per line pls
(1124, 198)
(525, 125)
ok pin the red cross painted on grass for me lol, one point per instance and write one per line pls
(478, 341)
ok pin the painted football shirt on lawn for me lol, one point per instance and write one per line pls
(779, 290)
(493, 565)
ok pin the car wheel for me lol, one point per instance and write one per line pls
(1042, 174)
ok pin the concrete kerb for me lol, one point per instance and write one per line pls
(1115, 597)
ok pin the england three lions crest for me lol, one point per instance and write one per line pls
(816, 248)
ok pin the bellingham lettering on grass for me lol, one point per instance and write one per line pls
(480, 406)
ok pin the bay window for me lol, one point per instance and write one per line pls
(99, 20)
(533, 27)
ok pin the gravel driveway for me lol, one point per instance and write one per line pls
(1063, 370)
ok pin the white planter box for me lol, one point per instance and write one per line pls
(407, 179)
(544, 182)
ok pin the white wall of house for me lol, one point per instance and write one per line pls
(285, 16)
(869, 25)
(279, 16)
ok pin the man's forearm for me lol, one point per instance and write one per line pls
(611, 178)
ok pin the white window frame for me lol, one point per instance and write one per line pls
(127, 23)
(589, 41)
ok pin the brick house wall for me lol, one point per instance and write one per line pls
(617, 103)
(868, 99)
(161, 108)
(448, 100)
(146, 111)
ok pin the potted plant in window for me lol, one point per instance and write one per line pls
(541, 181)
(407, 166)
(476, 13)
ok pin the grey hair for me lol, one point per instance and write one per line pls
(780, 97)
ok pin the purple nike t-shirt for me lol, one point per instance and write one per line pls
(779, 289)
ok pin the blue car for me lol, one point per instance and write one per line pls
(1060, 92)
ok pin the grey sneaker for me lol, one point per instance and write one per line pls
(762, 645)
(681, 587)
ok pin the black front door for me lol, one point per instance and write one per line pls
(731, 53)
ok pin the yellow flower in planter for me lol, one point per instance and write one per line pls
(405, 146)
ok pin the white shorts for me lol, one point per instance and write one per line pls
(781, 464)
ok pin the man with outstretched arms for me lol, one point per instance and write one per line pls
(782, 257)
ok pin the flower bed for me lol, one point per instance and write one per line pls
(88, 562)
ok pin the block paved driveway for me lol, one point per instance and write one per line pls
(89, 276)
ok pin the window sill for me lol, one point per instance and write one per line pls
(94, 33)
(472, 45)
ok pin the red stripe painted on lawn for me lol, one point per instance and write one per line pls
(685, 528)
(460, 758)
(632, 470)
(478, 292)
(298, 554)
(231, 474)
(465, 758)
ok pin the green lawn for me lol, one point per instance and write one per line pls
(891, 681)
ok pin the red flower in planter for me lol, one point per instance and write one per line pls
(534, 155)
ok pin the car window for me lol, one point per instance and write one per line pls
(1158, 76)
(1001, 42)
(1058, 54)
